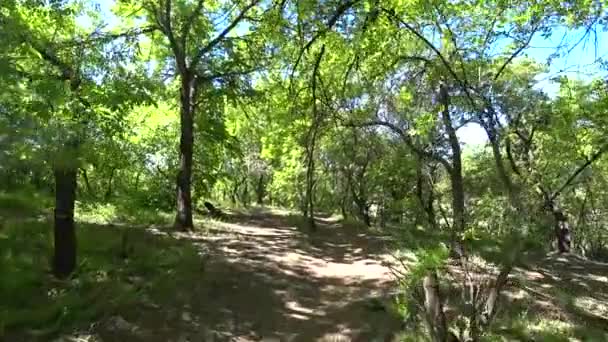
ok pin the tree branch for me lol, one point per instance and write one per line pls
(164, 20)
(330, 23)
(406, 139)
(212, 43)
(188, 23)
(580, 169)
(516, 52)
(444, 61)
(106, 36)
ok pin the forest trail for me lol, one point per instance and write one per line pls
(265, 280)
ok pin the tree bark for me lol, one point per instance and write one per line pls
(87, 184)
(108, 193)
(363, 208)
(426, 203)
(260, 190)
(455, 172)
(183, 218)
(64, 259)
(562, 232)
(561, 227)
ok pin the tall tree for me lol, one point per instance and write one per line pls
(201, 49)
(74, 88)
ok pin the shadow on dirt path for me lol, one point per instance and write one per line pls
(266, 281)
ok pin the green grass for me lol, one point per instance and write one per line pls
(34, 305)
(119, 213)
(19, 204)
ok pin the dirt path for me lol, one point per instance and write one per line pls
(268, 281)
(264, 280)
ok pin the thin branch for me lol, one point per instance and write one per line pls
(217, 75)
(524, 45)
(213, 42)
(330, 23)
(406, 139)
(315, 73)
(487, 37)
(106, 36)
(444, 61)
(580, 169)
(164, 21)
(349, 69)
(455, 43)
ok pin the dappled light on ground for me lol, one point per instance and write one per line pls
(278, 282)
(562, 298)
(260, 278)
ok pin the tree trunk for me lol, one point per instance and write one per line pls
(426, 203)
(183, 218)
(108, 193)
(245, 194)
(456, 182)
(562, 232)
(310, 174)
(365, 216)
(364, 212)
(87, 184)
(561, 227)
(260, 190)
(235, 192)
(64, 259)
(137, 180)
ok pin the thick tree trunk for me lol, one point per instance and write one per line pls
(183, 218)
(235, 192)
(245, 195)
(362, 205)
(137, 180)
(364, 212)
(64, 259)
